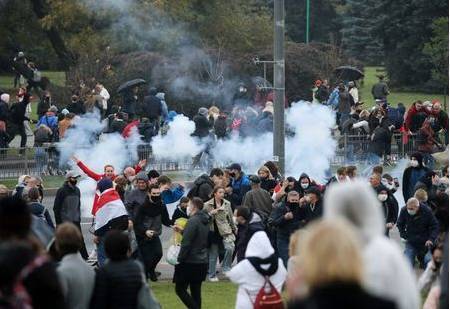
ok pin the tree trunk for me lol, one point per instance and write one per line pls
(66, 57)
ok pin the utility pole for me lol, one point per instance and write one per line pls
(278, 76)
(307, 21)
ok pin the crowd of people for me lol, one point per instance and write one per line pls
(324, 243)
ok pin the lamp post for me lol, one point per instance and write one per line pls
(279, 82)
(307, 21)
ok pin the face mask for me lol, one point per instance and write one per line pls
(73, 182)
(291, 205)
(233, 175)
(414, 163)
(304, 185)
(438, 264)
(262, 177)
(411, 212)
(156, 199)
(382, 197)
(235, 221)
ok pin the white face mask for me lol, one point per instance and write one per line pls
(189, 211)
(304, 185)
(235, 221)
(414, 163)
(411, 212)
(382, 197)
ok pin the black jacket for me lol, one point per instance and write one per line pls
(380, 142)
(202, 126)
(194, 246)
(341, 296)
(117, 285)
(43, 106)
(308, 214)
(245, 232)
(76, 107)
(17, 112)
(150, 216)
(67, 204)
(419, 228)
(285, 227)
(39, 210)
(152, 107)
(203, 187)
(4, 111)
(179, 213)
(408, 184)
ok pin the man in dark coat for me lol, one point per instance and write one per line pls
(67, 205)
(152, 108)
(240, 185)
(412, 175)
(76, 105)
(17, 117)
(311, 207)
(418, 226)
(258, 199)
(380, 90)
(248, 223)
(286, 219)
(204, 185)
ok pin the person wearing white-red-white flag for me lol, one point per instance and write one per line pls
(109, 215)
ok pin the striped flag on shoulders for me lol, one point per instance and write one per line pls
(110, 213)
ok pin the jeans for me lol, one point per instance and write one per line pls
(373, 159)
(423, 255)
(41, 159)
(151, 251)
(101, 255)
(193, 301)
(213, 253)
(283, 247)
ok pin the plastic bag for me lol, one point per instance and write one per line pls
(172, 254)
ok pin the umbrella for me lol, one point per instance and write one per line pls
(348, 73)
(130, 84)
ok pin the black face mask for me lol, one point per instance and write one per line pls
(73, 182)
(291, 205)
(438, 265)
(156, 199)
(233, 175)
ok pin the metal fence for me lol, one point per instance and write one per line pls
(45, 160)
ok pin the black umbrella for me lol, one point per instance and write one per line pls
(347, 73)
(130, 84)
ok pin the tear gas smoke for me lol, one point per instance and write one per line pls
(81, 141)
(177, 144)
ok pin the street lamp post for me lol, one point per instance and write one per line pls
(279, 83)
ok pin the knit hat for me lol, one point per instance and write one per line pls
(5, 97)
(104, 184)
(141, 176)
(152, 174)
(53, 109)
(203, 111)
(65, 111)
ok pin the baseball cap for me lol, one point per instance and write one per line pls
(72, 174)
(235, 166)
(254, 179)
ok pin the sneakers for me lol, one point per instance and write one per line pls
(213, 279)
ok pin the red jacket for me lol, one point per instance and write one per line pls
(412, 111)
(127, 130)
(98, 177)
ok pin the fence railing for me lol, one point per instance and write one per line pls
(45, 160)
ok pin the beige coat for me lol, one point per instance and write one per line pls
(223, 218)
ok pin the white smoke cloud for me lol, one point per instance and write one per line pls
(177, 144)
(81, 141)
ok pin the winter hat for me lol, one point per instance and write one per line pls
(254, 179)
(65, 111)
(235, 166)
(152, 174)
(203, 111)
(141, 176)
(5, 97)
(53, 109)
(104, 184)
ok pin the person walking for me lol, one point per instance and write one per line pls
(17, 117)
(150, 216)
(380, 90)
(412, 174)
(222, 232)
(67, 205)
(258, 199)
(261, 263)
(77, 278)
(204, 184)
(419, 229)
(192, 264)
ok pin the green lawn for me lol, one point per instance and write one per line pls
(395, 97)
(49, 182)
(56, 77)
(216, 295)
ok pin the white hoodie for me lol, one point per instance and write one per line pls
(387, 272)
(246, 276)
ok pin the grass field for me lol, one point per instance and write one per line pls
(49, 182)
(56, 77)
(395, 97)
(218, 295)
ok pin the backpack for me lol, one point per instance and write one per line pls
(268, 296)
(20, 298)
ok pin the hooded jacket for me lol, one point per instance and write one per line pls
(194, 246)
(387, 273)
(249, 280)
(411, 176)
(203, 187)
(67, 204)
(150, 216)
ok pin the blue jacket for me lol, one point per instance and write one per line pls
(50, 121)
(172, 195)
(240, 187)
(333, 100)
